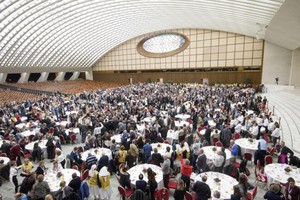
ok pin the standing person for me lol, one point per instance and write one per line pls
(243, 186)
(94, 188)
(141, 184)
(180, 191)
(261, 152)
(292, 192)
(26, 168)
(106, 188)
(201, 162)
(276, 133)
(13, 172)
(201, 189)
(75, 182)
(59, 157)
(151, 182)
(166, 170)
(125, 178)
(41, 169)
(37, 152)
(147, 151)
(186, 171)
(40, 189)
(50, 148)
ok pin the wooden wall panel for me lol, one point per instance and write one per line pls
(184, 77)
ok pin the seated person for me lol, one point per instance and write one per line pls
(141, 184)
(274, 192)
(26, 168)
(283, 156)
(75, 157)
(232, 170)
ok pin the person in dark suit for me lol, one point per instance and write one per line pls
(202, 190)
(141, 184)
(75, 157)
(75, 182)
(41, 169)
(201, 162)
(103, 161)
(157, 158)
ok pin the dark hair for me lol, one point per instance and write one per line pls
(141, 176)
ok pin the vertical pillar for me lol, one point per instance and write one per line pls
(74, 76)
(43, 77)
(24, 77)
(89, 75)
(60, 76)
(3, 77)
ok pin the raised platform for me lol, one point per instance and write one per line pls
(275, 88)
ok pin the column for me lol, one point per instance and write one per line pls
(60, 76)
(74, 76)
(43, 77)
(3, 77)
(24, 77)
(89, 75)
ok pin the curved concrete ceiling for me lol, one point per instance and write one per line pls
(71, 35)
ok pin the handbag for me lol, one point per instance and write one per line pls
(98, 181)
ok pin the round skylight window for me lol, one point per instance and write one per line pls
(163, 45)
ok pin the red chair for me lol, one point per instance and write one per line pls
(162, 194)
(267, 139)
(172, 185)
(25, 154)
(268, 159)
(166, 142)
(75, 167)
(30, 137)
(127, 193)
(84, 175)
(248, 156)
(219, 144)
(215, 140)
(189, 196)
(3, 155)
(6, 136)
(73, 138)
(259, 177)
(62, 139)
(251, 196)
(271, 151)
(236, 136)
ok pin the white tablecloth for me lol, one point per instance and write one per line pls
(246, 146)
(276, 173)
(6, 160)
(211, 155)
(74, 130)
(106, 151)
(62, 123)
(202, 132)
(162, 149)
(225, 186)
(172, 135)
(212, 123)
(149, 120)
(181, 123)
(23, 118)
(30, 132)
(138, 169)
(53, 181)
(42, 144)
(183, 117)
(26, 125)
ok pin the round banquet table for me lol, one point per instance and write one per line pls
(246, 146)
(42, 144)
(183, 117)
(181, 123)
(138, 169)
(5, 159)
(211, 155)
(97, 153)
(30, 132)
(225, 186)
(202, 132)
(149, 120)
(26, 125)
(53, 181)
(275, 173)
(162, 149)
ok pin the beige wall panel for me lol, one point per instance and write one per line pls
(258, 46)
(257, 54)
(248, 54)
(222, 41)
(230, 56)
(256, 62)
(215, 35)
(221, 63)
(247, 62)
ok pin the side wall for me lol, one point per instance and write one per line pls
(276, 63)
(295, 72)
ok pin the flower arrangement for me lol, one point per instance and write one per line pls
(250, 140)
(158, 145)
(214, 149)
(287, 169)
(217, 180)
(144, 170)
(59, 174)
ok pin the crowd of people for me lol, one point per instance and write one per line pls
(140, 115)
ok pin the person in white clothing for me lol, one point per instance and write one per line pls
(238, 127)
(13, 172)
(276, 133)
(254, 130)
